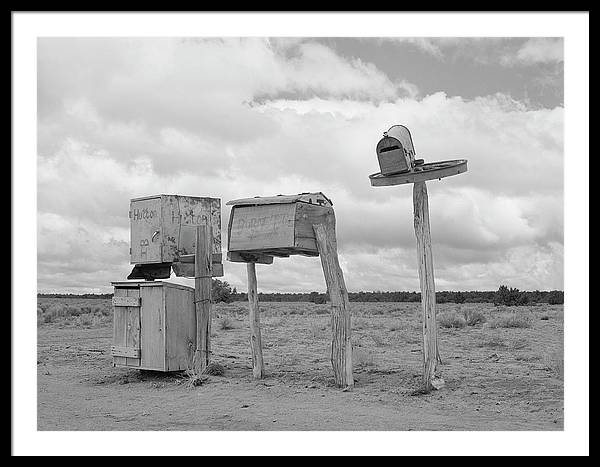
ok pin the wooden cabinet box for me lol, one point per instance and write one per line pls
(154, 326)
(275, 226)
(163, 226)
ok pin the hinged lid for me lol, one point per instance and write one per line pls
(317, 198)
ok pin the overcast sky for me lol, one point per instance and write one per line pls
(234, 118)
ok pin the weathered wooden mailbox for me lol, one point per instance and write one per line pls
(396, 155)
(261, 228)
(163, 233)
(161, 325)
(154, 325)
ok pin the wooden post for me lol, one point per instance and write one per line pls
(202, 295)
(254, 314)
(425, 264)
(341, 345)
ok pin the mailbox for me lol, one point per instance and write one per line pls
(263, 227)
(154, 326)
(163, 230)
(395, 151)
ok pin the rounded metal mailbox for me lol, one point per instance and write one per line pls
(395, 151)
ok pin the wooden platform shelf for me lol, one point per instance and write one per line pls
(423, 173)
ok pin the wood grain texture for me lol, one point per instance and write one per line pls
(163, 226)
(244, 257)
(427, 282)
(118, 351)
(254, 316)
(202, 296)
(133, 326)
(341, 326)
(126, 301)
(306, 216)
(152, 328)
(119, 327)
(145, 221)
(181, 328)
(261, 227)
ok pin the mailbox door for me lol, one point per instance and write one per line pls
(145, 228)
(126, 327)
(194, 212)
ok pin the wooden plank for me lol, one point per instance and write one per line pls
(181, 328)
(170, 226)
(447, 169)
(317, 198)
(341, 345)
(254, 317)
(133, 326)
(144, 219)
(202, 296)
(216, 258)
(425, 264)
(126, 301)
(249, 257)
(120, 351)
(187, 270)
(280, 253)
(306, 216)
(262, 227)
(199, 211)
(152, 332)
(120, 326)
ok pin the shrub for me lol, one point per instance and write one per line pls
(511, 320)
(86, 319)
(214, 369)
(556, 297)
(225, 323)
(510, 297)
(451, 319)
(474, 317)
(221, 291)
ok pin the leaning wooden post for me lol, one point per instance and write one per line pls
(425, 264)
(341, 326)
(202, 295)
(255, 338)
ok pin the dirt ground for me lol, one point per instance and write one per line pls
(496, 378)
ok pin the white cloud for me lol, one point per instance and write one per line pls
(505, 51)
(538, 50)
(234, 118)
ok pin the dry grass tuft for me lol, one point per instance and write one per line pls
(226, 323)
(511, 320)
(214, 369)
(554, 363)
(362, 357)
(451, 319)
(474, 317)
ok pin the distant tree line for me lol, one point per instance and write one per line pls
(222, 292)
(503, 296)
(76, 295)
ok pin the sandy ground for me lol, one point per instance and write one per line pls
(497, 379)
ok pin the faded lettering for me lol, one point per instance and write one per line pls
(143, 214)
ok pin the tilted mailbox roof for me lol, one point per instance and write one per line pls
(310, 198)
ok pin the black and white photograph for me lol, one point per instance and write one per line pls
(261, 237)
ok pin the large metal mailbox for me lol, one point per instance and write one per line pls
(163, 232)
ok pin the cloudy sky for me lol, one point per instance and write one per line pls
(240, 117)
